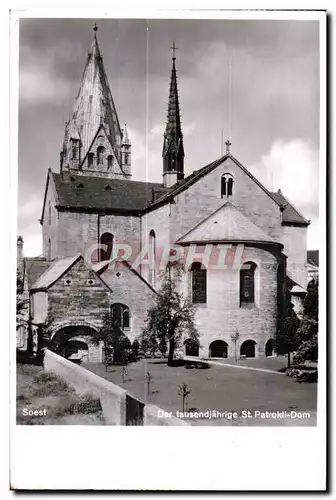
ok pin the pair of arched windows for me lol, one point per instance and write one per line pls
(247, 283)
(226, 185)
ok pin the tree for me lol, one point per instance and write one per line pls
(171, 318)
(308, 329)
(116, 344)
(286, 339)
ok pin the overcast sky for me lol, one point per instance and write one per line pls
(274, 105)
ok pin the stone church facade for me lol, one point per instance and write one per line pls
(106, 237)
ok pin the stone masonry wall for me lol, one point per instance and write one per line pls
(222, 315)
(204, 197)
(129, 289)
(294, 240)
(78, 232)
(79, 299)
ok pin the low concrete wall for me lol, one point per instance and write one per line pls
(112, 397)
(119, 407)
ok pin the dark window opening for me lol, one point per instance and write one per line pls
(226, 185)
(109, 161)
(90, 160)
(120, 314)
(198, 283)
(247, 349)
(106, 242)
(218, 349)
(247, 275)
(100, 155)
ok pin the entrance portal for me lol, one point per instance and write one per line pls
(73, 343)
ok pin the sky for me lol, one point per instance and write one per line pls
(255, 80)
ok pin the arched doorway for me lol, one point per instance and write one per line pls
(269, 348)
(76, 349)
(247, 349)
(191, 348)
(74, 342)
(218, 349)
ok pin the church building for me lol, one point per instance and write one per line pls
(105, 236)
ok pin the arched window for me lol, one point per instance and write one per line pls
(152, 257)
(226, 185)
(106, 241)
(229, 186)
(247, 273)
(248, 349)
(126, 156)
(90, 160)
(198, 283)
(109, 161)
(100, 155)
(120, 313)
(74, 149)
(218, 349)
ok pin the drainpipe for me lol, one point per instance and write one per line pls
(98, 226)
(140, 242)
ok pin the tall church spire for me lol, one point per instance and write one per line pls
(93, 137)
(173, 151)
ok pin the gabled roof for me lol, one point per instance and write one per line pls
(198, 174)
(54, 272)
(101, 267)
(226, 224)
(290, 215)
(124, 195)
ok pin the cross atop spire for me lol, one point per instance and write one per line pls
(174, 49)
(227, 145)
(95, 27)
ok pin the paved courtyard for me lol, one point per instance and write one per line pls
(222, 388)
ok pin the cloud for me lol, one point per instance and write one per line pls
(42, 75)
(38, 87)
(293, 167)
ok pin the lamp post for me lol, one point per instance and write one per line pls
(234, 338)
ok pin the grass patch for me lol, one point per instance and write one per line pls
(46, 391)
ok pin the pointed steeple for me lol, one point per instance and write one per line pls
(93, 138)
(173, 151)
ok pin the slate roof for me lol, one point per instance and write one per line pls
(98, 193)
(54, 272)
(313, 257)
(290, 214)
(34, 267)
(226, 224)
(94, 105)
(123, 195)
